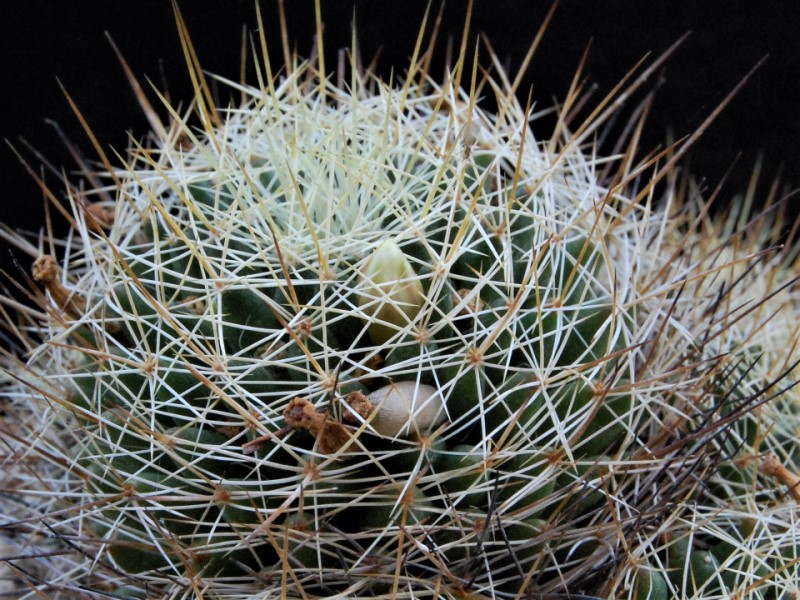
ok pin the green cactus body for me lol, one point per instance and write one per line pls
(248, 316)
(126, 592)
(374, 341)
(467, 465)
(651, 585)
(693, 570)
(521, 539)
(135, 556)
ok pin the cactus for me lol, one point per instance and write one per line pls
(378, 342)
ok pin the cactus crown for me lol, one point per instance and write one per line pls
(371, 340)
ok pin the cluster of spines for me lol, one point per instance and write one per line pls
(180, 393)
(223, 307)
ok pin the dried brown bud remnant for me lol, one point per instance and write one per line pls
(471, 307)
(99, 215)
(45, 271)
(332, 437)
(301, 414)
(773, 467)
(357, 404)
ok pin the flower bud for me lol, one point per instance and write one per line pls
(406, 408)
(390, 293)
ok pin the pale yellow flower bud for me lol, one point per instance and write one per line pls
(390, 293)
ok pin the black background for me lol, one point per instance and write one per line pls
(41, 40)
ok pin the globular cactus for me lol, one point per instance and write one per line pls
(377, 342)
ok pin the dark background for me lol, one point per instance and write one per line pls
(41, 40)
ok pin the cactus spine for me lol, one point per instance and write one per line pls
(377, 342)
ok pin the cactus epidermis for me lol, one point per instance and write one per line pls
(336, 345)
